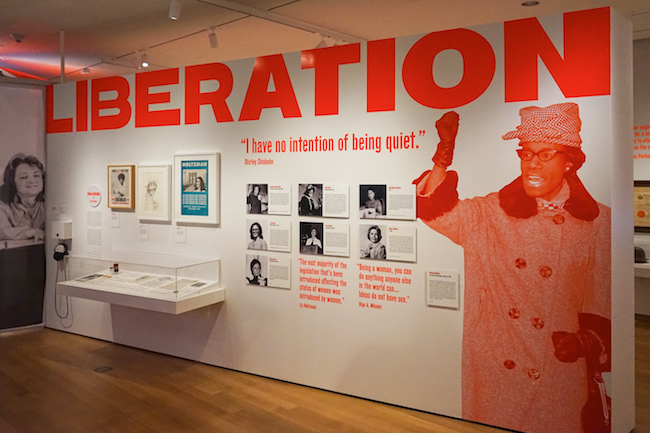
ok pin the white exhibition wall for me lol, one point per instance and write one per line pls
(404, 353)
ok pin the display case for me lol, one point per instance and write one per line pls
(159, 282)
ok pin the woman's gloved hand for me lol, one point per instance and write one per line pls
(447, 127)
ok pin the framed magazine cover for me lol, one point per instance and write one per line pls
(121, 179)
(196, 188)
(153, 192)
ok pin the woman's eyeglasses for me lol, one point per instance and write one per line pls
(543, 155)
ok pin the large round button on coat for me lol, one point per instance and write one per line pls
(558, 219)
(533, 373)
(537, 322)
(545, 271)
(514, 313)
(509, 364)
(520, 263)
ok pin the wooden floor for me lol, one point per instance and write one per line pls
(48, 383)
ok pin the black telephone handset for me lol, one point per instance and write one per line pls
(60, 251)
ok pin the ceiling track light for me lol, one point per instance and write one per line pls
(85, 71)
(530, 3)
(144, 63)
(174, 10)
(212, 37)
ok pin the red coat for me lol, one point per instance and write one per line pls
(526, 276)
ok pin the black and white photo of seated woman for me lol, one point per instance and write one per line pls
(22, 209)
(372, 201)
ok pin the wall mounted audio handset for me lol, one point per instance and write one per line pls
(62, 232)
(60, 251)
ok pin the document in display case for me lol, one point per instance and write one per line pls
(158, 282)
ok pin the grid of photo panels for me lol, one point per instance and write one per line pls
(322, 226)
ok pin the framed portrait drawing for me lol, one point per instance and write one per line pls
(153, 192)
(196, 188)
(121, 179)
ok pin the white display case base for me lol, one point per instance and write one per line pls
(157, 282)
(145, 302)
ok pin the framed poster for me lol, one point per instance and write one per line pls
(642, 206)
(120, 184)
(153, 192)
(196, 188)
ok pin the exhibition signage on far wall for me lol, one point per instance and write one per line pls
(426, 197)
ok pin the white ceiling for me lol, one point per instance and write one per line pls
(109, 36)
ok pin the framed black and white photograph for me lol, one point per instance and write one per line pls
(121, 179)
(196, 188)
(256, 270)
(311, 199)
(372, 201)
(271, 235)
(257, 198)
(393, 201)
(371, 241)
(311, 238)
(153, 192)
(257, 229)
(388, 241)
